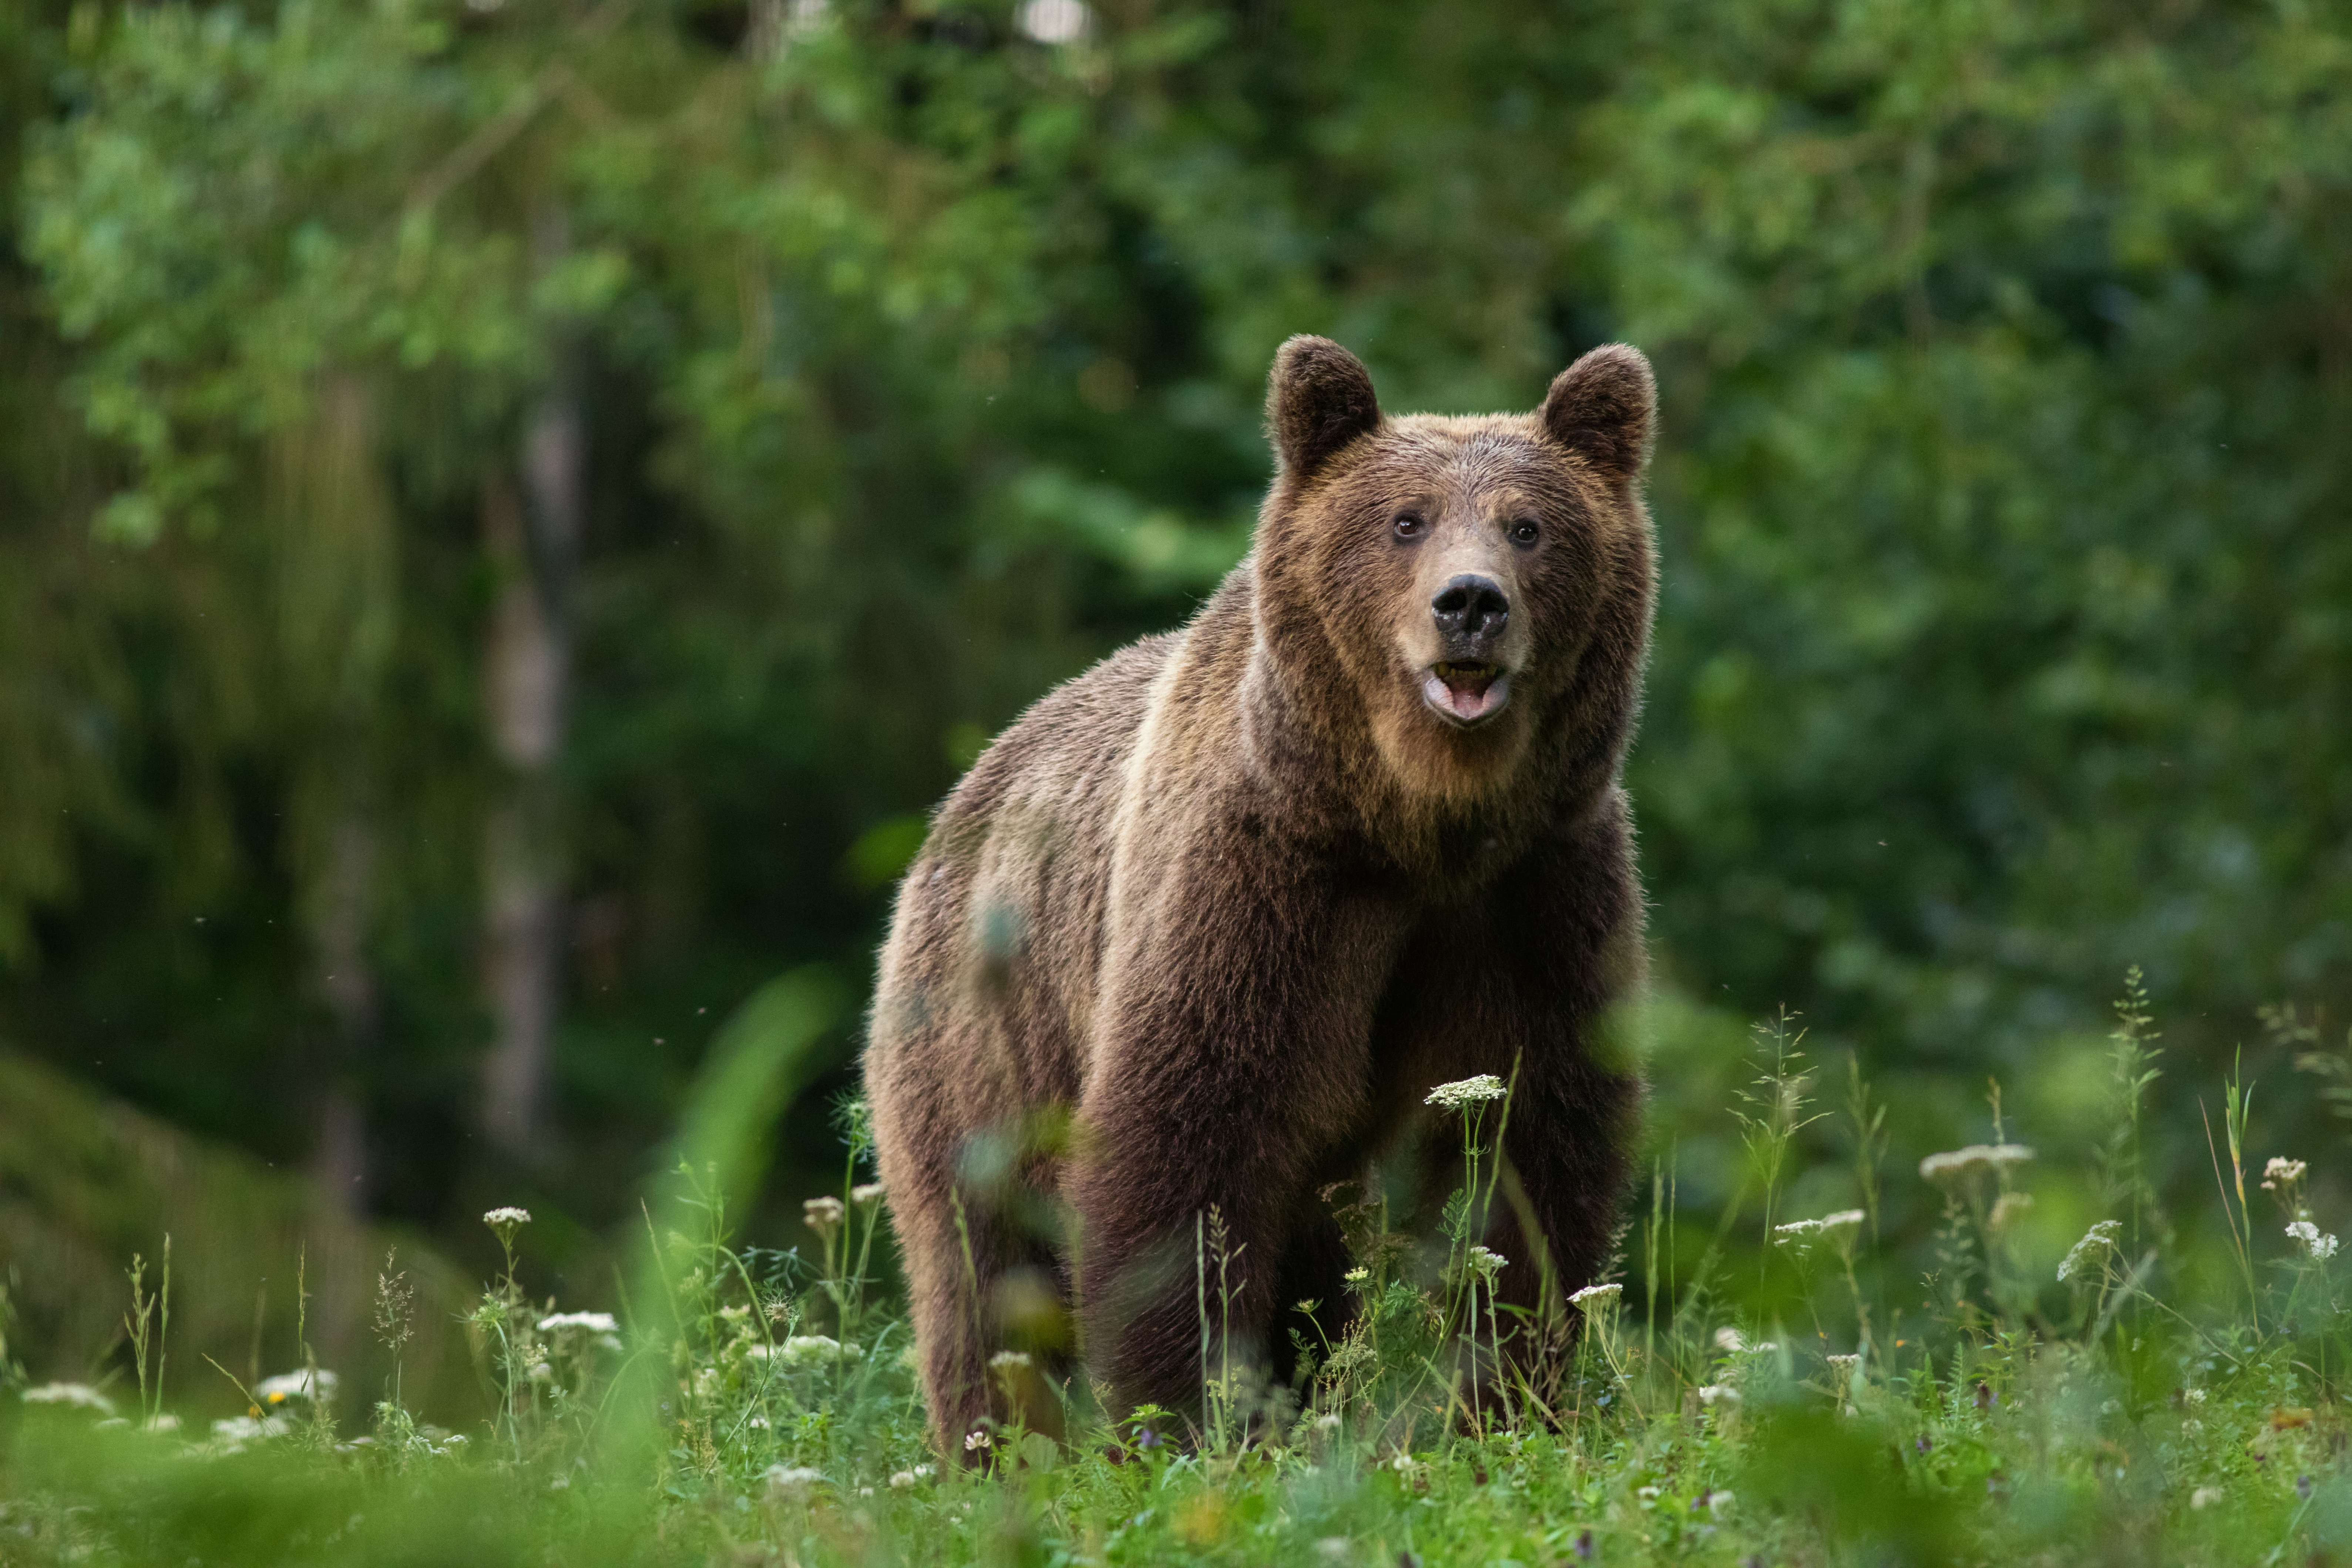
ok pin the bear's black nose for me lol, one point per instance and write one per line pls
(1470, 609)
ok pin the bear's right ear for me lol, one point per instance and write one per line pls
(1602, 408)
(1318, 400)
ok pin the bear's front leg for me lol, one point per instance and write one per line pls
(1563, 968)
(1232, 1052)
(1523, 984)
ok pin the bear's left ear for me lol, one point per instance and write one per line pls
(1319, 399)
(1601, 408)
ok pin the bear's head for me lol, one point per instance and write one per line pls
(1482, 585)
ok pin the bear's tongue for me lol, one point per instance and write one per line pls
(1466, 691)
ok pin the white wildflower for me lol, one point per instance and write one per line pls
(1974, 1160)
(2006, 1212)
(1466, 1092)
(1593, 1297)
(1767, 1347)
(2316, 1244)
(246, 1429)
(1054, 21)
(901, 1479)
(1327, 1423)
(2204, 1496)
(1647, 1494)
(822, 1215)
(1718, 1499)
(75, 1395)
(2099, 1239)
(813, 1349)
(1719, 1393)
(1845, 1366)
(792, 1481)
(1002, 1360)
(288, 1385)
(590, 1323)
(2193, 1396)
(974, 1441)
(505, 1220)
(1356, 1276)
(1832, 1227)
(868, 1193)
(2282, 1171)
(1730, 1339)
(1486, 1263)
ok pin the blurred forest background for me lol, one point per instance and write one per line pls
(511, 509)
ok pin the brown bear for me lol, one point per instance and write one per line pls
(1224, 908)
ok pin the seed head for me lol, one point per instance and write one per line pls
(395, 1306)
(2100, 1238)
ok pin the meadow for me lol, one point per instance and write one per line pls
(1791, 1397)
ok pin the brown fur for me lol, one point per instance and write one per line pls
(1232, 900)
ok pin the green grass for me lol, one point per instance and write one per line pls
(750, 1406)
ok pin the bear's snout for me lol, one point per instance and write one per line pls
(1468, 683)
(1470, 613)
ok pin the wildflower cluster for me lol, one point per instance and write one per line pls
(1975, 1160)
(1839, 1228)
(2316, 1244)
(1466, 1092)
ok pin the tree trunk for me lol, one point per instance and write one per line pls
(346, 981)
(533, 541)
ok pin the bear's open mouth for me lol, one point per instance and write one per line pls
(1467, 691)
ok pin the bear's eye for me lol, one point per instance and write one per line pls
(1410, 525)
(1524, 531)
